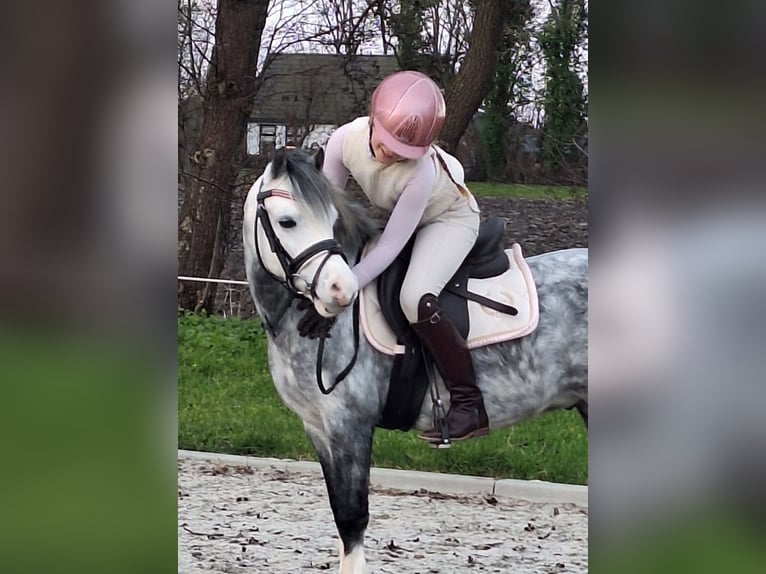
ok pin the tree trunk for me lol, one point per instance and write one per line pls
(474, 79)
(204, 215)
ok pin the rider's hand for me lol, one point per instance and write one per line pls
(312, 324)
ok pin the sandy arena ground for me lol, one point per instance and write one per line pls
(240, 519)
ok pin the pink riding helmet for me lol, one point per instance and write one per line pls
(407, 112)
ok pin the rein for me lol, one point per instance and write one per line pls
(291, 267)
(320, 354)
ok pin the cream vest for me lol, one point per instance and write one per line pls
(383, 184)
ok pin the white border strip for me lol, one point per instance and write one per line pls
(530, 490)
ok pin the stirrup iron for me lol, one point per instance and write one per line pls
(440, 414)
(440, 422)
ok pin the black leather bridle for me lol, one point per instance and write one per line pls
(291, 267)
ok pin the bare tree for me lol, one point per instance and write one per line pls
(196, 36)
(204, 214)
(351, 24)
(290, 28)
(344, 27)
(448, 23)
(196, 20)
(473, 81)
(427, 35)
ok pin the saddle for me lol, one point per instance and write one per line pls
(491, 298)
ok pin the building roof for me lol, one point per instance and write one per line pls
(304, 89)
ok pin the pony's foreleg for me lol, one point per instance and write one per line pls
(345, 458)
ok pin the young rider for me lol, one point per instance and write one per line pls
(390, 155)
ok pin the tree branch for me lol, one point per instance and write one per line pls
(203, 180)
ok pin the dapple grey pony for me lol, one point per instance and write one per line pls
(299, 234)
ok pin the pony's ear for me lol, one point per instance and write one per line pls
(319, 159)
(278, 162)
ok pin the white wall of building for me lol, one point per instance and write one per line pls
(253, 138)
(281, 136)
(317, 137)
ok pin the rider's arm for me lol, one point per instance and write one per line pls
(400, 226)
(333, 167)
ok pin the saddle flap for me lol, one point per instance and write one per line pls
(389, 286)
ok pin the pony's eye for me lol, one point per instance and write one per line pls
(287, 223)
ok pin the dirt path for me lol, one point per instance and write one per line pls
(240, 519)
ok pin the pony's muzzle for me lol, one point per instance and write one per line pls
(341, 288)
(332, 310)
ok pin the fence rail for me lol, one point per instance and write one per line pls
(234, 307)
(211, 280)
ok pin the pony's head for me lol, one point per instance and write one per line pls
(294, 231)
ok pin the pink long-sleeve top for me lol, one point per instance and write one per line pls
(404, 218)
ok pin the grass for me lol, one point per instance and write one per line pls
(489, 189)
(227, 403)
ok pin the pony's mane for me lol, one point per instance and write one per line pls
(309, 186)
(355, 225)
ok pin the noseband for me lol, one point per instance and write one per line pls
(291, 266)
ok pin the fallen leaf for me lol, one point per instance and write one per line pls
(486, 546)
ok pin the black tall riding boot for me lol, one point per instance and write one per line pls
(466, 417)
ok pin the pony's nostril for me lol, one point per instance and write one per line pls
(339, 294)
(339, 290)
